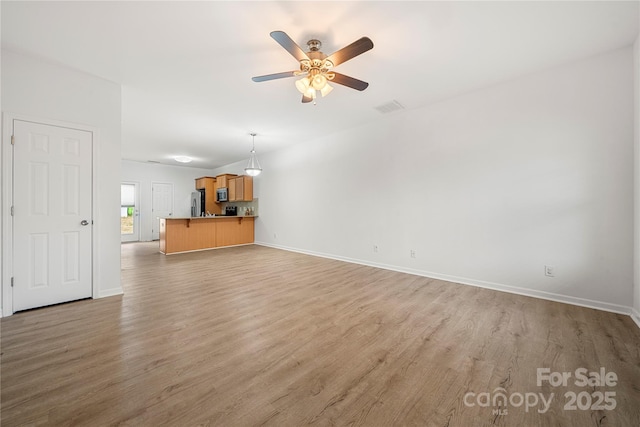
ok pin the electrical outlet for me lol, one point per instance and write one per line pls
(549, 271)
(375, 248)
(412, 253)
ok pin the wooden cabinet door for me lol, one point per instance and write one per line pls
(234, 231)
(228, 232)
(247, 183)
(242, 189)
(239, 184)
(224, 180)
(200, 183)
(246, 231)
(231, 190)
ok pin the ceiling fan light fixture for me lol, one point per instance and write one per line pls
(253, 167)
(316, 67)
(311, 93)
(326, 90)
(302, 85)
(319, 81)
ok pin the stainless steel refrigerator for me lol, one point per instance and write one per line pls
(196, 203)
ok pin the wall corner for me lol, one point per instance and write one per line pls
(636, 179)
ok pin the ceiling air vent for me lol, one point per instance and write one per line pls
(390, 107)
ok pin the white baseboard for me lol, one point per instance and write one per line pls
(103, 294)
(635, 315)
(110, 292)
(582, 302)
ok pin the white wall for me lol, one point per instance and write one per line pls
(487, 188)
(636, 257)
(44, 90)
(145, 174)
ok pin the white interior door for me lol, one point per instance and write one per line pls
(161, 205)
(52, 224)
(129, 212)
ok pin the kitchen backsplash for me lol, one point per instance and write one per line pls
(242, 206)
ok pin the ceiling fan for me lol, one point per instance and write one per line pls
(316, 68)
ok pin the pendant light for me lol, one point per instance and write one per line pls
(253, 167)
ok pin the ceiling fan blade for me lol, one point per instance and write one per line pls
(285, 41)
(306, 98)
(273, 76)
(356, 84)
(356, 48)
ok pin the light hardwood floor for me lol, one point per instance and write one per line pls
(250, 336)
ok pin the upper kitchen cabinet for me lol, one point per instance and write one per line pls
(201, 183)
(223, 180)
(241, 189)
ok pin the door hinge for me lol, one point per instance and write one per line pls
(11, 210)
(12, 282)
(13, 140)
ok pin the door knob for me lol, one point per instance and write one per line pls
(84, 222)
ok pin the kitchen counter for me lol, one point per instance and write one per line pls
(213, 217)
(201, 233)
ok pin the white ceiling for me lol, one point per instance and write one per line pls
(186, 67)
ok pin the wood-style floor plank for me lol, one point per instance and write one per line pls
(251, 336)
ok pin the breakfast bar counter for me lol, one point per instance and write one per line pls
(201, 233)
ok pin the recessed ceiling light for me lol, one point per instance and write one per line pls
(182, 159)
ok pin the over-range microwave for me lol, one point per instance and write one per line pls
(222, 195)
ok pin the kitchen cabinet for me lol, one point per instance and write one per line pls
(195, 234)
(235, 231)
(223, 180)
(233, 190)
(241, 189)
(184, 235)
(208, 185)
(202, 182)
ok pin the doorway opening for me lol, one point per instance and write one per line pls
(129, 212)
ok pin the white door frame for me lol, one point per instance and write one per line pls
(7, 202)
